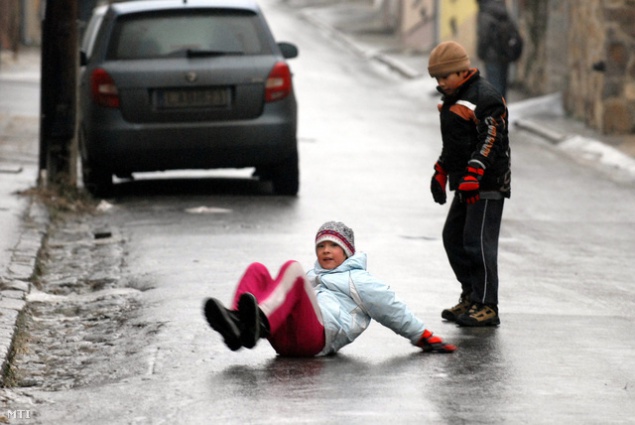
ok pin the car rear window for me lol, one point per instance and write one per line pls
(173, 34)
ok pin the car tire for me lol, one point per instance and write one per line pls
(97, 180)
(285, 176)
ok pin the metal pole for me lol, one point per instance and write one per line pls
(58, 93)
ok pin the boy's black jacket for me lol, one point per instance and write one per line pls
(474, 129)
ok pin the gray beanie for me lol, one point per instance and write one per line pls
(338, 232)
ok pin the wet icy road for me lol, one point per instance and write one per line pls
(118, 335)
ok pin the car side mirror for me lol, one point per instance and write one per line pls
(289, 51)
(83, 58)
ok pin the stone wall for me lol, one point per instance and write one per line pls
(544, 25)
(586, 49)
(530, 69)
(615, 103)
(587, 40)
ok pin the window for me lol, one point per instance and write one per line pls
(146, 36)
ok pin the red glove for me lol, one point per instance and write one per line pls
(437, 185)
(470, 185)
(434, 344)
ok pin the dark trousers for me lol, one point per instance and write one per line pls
(496, 74)
(470, 238)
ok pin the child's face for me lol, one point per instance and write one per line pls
(329, 255)
(449, 83)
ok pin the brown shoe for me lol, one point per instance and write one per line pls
(479, 315)
(452, 314)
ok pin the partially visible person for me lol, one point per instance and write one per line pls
(498, 42)
(320, 312)
(475, 160)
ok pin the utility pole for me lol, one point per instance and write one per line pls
(58, 103)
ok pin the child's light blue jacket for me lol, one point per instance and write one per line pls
(349, 297)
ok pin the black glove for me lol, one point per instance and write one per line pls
(470, 185)
(437, 185)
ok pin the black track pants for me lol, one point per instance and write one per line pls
(470, 238)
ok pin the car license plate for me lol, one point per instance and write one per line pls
(191, 98)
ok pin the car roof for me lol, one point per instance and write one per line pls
(143, 5)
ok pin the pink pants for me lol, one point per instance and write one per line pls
(289, 302)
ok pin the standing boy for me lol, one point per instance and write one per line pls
(475, 159)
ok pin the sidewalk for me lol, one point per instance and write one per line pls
(22, 220)
(357, 25)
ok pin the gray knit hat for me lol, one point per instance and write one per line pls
(338, 232)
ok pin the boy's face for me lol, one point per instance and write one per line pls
(329, 255)
(449, 83)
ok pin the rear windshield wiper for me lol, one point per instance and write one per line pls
(207, 53)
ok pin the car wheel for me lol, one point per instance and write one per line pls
(97, 180)
(285, 176)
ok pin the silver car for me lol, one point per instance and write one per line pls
(185, 84)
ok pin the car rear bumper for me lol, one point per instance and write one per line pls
(123, 147)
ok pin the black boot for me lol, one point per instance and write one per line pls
(224, 321)
(264, 325)
(249, 314)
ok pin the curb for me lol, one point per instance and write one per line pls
(16, 283)
(350, 43)
(604, 156)
(332, 32)
(394, 64)
(551, 103)
(19, 265)
(533, 127)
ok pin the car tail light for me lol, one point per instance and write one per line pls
(104, 90)
(278, 85)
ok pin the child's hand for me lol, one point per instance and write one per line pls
(437, 185)
(430, 343)
(469, 186)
